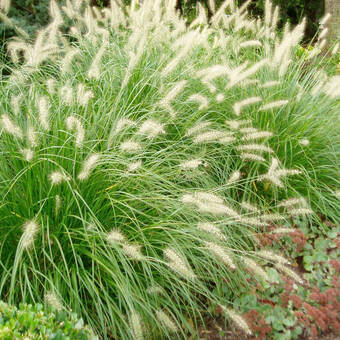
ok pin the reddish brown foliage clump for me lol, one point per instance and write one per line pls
(322, 311)
(299, 239)
(257, 324)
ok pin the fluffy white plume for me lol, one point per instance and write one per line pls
(238, 320)
(130, 146)
(74, 124)
(220, 253)
(134, 166)
(178, 264)
(197, 128)
(10, 127)
(115, 236)
(275, 174)
(88, 166)
(151, 128)
(211, 229)
(273, 105)
(58, 177)
(200, 99)
(31, 228)
(248, 101)
(166, 321)
(53, 300)
(191, 164)
(171, 95)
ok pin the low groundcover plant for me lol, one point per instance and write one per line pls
(33, 322)
(140, 157)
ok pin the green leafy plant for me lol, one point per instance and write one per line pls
(139, 161)
(33, 322)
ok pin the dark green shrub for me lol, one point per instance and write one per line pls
(293, 11)
(33, 322)
(27, 14)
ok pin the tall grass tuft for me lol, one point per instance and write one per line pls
(140, 156)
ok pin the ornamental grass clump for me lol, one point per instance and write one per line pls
(140, 157)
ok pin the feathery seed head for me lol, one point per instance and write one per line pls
(289, 272)
(269, 255)
(73, 123)
(134, 166)
(256, 269)
(249, 207)
(220, 253)
(167, 321)
(335, 49)
(16, 103)
(202, 101)
(133, 251)
(170, 96)
(94, 70)
(209, 136)
(270, 83)
(257, 135)
(325, 19)
(58, 202)
(151, 128)
(300, 211)
(50, 84)
(211, 229)
(122, 123)
(207, 197)
(248, 101)
(88, 166)
(178, 265)
(66, 94)
(52, 300)
(115, 236)
(293, 202)
(31, 228)
(31, 136)
(251, 157)
(282, 231)
(191, 164)
(273, 105)
(304, 142)
(130, 146)
(197, 128)
(234, 177)
(238, 320)
(255, 147)
(58, 177)
(28, 154)
(332, 87)
(226, 139)
(5, 5)
(83, 96)
(274, 173)
(220, 97)
(272, 217)
(235, 124)
(136, 325)
(43, 108)
(10, 127)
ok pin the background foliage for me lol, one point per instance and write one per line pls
(32, 14)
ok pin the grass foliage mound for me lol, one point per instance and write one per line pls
(140, 158)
